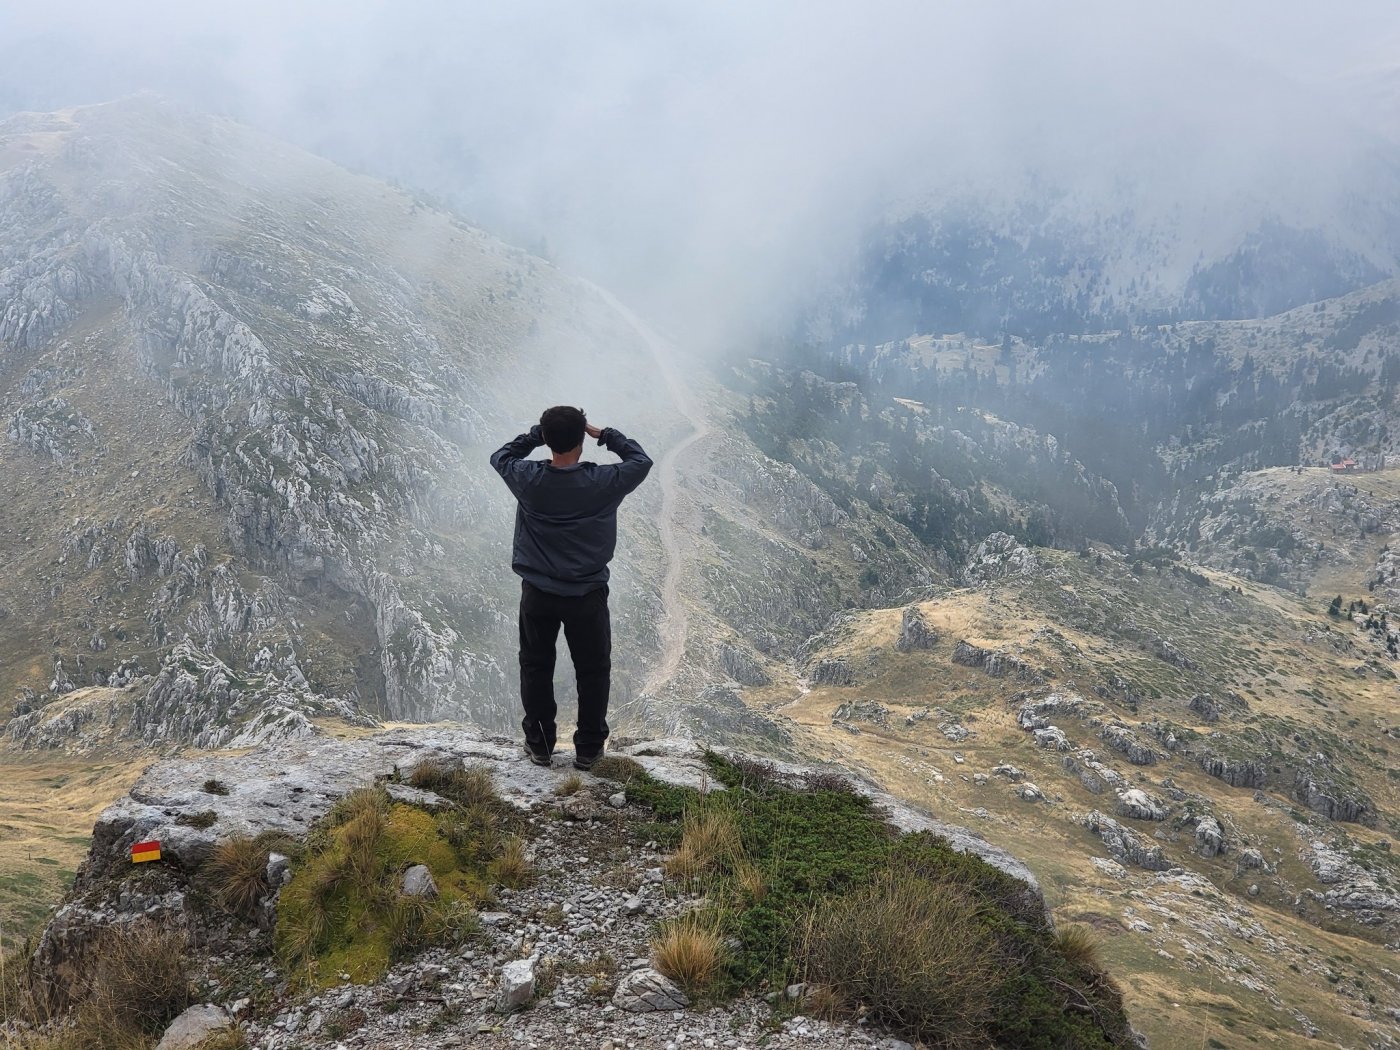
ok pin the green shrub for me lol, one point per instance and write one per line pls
(791, 871)
(910, 954)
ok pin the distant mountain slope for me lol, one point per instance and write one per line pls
(249, 398)
(262, 389)
(1042, 256)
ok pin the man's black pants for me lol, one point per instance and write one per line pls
(588, 631)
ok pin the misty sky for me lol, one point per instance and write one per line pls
(695, 152)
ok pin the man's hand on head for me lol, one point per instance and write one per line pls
(591, 430)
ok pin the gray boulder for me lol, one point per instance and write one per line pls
(646, 991)
(517, 985)
(418, 882)
(1125, 742)
(1210, 837)
(914, 632)
(194, 1026)
(1139, 805)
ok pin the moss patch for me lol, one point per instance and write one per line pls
(342, 912)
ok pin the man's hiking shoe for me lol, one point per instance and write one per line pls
(539, 754)
(586, 760)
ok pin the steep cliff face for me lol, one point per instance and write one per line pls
(249, 398)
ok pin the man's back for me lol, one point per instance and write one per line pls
(566, 518)
(565, 535)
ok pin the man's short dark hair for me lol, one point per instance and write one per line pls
(562, 428)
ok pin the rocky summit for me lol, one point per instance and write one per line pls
(560, 946)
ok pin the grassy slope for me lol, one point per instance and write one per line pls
(48, 805)
(1270, 648)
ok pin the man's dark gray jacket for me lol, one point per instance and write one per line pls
(566, 521)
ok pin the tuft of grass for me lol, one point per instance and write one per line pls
(749, 881)
(910, 954)
(203, 819)
(125, 990)
(571, 785)
(690, 951)
(236, 873)
(825, 1002)
(365, 815)
(214, 787)
(710, 845)
(511, 867)
(618, 768)
(1079, 945)
(450, 778)
(476, 829)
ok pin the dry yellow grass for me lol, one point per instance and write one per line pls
(689, 950)
(908, 953)
(709, 844)
(511, 867)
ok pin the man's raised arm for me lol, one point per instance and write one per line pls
(509, 456)
(635, 462)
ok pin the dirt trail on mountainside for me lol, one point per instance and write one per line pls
(673, 616)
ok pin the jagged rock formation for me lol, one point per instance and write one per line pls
(914, 631)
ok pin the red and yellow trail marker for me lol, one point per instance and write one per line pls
(144, 851)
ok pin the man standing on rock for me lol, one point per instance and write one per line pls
(565, 535)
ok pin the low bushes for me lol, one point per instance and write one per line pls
(910, 953)
(812, 886)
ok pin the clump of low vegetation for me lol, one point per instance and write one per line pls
(618, 767)
(690, 951)
(827, 780)
(908, 952)
(812, 886)
(131, 983)
(450, 778)
(214, 787)
(511, 867)
(570, 785)
(710, 845)
(343, 910)
(235, 874)
(754, 773)
(1078, 944)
